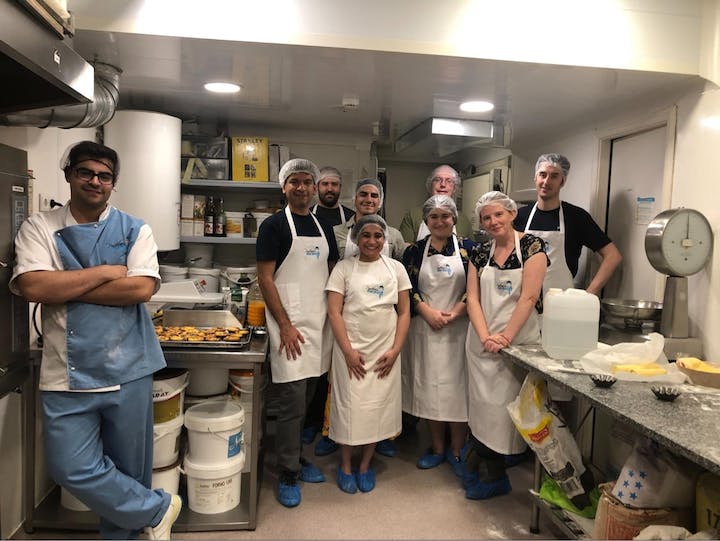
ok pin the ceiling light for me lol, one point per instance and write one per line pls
(222, 88)
(476, 106)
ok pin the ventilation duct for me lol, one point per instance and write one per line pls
(87, 115)
(438, 137)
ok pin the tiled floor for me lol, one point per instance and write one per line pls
(407, 503)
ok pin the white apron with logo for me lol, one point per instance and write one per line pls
(342, 213)
(300, 281)
(367, 410)
(435, 382)
(494, 382)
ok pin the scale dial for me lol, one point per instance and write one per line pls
(678, 242)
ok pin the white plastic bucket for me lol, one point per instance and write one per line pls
(570, 323)
(247, 425)
(68, 501)
(215, 431)
(206, 280)
(166, 439)
(207, 381)
(191, 401)
(167, 478)
(168, 393)
(198, 255)
(213, 488)
(171, 273)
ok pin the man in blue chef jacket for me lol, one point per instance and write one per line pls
(92, 267)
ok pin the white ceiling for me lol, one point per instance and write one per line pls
(301, 87)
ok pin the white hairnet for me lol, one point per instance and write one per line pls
(298, 165)
(434, 172)
(558, 160)
(495, 198)
(329, 171)
(373, 182)
(362, 223)
(437, 202)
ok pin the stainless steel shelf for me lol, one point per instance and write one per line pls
(219, 240)
(560, 518)
(231, 184)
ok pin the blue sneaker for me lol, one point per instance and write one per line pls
(325, 446)
(483, 491)
(346, 481)
(386, 448)
(366, 481)
(455, 463)
(430, 460)
(310, 473)
(288, 491)
(308, 434)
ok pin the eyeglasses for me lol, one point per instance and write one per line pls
(86, 175)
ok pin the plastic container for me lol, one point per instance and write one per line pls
(255, 316)
(166, 442)
(207, 381)
(213, 488)
(206, 280)
(214, 431)
(168, 393)
(167, 478)
(236, 276)
(172, 273)
(570, 323)
(191, 401)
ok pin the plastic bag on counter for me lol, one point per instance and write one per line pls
(542, 427)
(632, 361)
(652, 478)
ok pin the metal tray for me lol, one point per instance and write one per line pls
(203, 319)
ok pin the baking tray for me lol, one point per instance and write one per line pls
(203, 319)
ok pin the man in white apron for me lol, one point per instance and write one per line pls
(565, 228)
(294, 255)
(496, 322)
(443, 180)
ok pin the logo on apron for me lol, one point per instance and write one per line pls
(504, 287)
(444, 269)
(377, 290)
(313, 252)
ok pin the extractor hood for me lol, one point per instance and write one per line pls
(439, 137)
(37, 67)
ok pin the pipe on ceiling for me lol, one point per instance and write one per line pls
(88, 115)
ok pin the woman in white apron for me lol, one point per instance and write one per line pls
(434, 374)
(369, 310)
(503, 289)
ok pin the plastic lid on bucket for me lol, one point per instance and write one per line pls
(224, 468)
(214, 416)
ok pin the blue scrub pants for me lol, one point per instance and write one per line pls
(99, 446)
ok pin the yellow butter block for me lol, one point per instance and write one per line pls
(644, 369)
(693, 363)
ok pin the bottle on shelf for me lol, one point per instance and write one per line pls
(209, 218)
(255, 316)
(249, 225)
(220, 220)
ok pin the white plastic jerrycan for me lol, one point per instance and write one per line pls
(570, 323)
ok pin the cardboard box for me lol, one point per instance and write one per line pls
(204, 147)
(199, 207)
(198, 228)
(187, 227)
(187, 206)
(205, 169)
(274, 162)
(250, 159)
(284, 154)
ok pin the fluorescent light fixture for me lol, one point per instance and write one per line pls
(712, 122)
(222, 88)
(476, 106)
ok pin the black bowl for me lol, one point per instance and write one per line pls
(603, 380)
(666, 393)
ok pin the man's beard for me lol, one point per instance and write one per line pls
(329, 199)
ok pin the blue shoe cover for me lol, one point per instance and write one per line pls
(430, 460)
(366, 481)
(483, 491)
(469, 479)
(346, 481)
(386, 448)
(325, 446)
(308, 434)
(288, 494)
(310, 473)
(456, 464)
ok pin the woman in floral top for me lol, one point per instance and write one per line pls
(433, 364)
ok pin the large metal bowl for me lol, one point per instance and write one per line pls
(632, 312)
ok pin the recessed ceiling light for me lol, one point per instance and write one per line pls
(476, 106)
(222, 88)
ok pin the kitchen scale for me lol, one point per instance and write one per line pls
(678, 243)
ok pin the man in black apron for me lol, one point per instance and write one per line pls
(565, 228)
